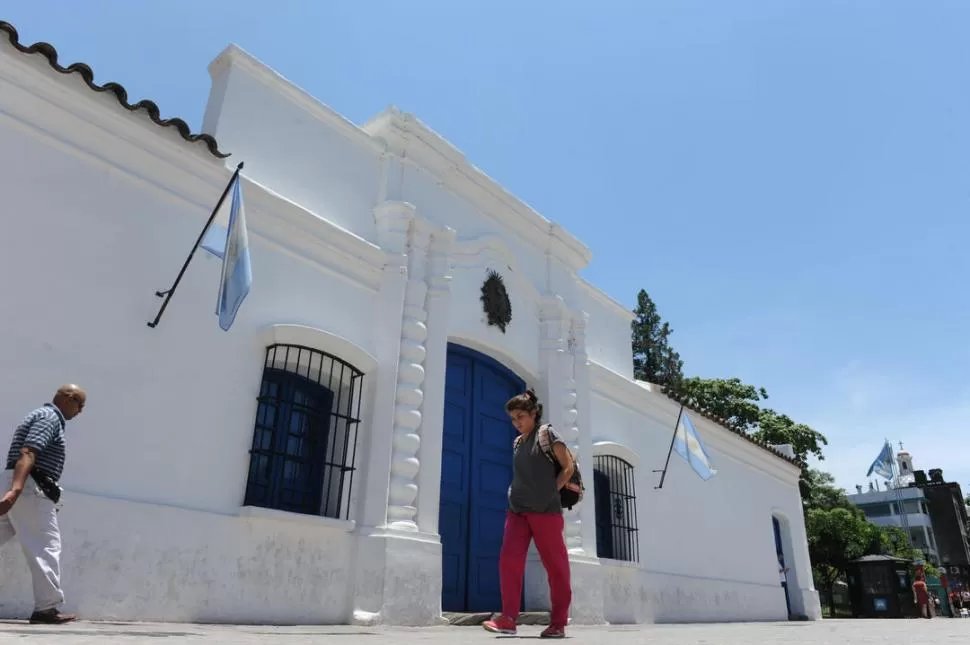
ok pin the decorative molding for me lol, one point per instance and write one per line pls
(495, 301)
(420, 146)
(440, 262)
(325, 341)
(617, 450)
(403, 488)
(393, 220)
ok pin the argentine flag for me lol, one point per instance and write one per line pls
(883, 464)
(688, 445)
(237, 274)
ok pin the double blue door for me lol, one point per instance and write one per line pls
(476, 470)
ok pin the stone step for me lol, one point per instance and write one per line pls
(471, 620)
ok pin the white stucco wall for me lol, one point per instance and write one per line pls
(95, 222)
(377, 237)
(707, 549)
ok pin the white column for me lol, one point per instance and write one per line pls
(584, 442)
(569, 431)
(406, 442)
(393, 220)
(552, 352)
(435, 363)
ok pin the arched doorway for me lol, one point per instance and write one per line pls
(476, 470)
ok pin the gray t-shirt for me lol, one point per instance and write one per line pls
(533, 488)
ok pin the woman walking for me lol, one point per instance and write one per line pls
(535, 512)
(921, 596)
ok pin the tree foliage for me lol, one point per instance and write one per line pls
(738, 404)
(820, 492)
(836, 537)
(654, 359)
(775, 428)
(730, 399)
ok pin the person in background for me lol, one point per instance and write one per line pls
(921, 596)
(535, 512)
(28, 509)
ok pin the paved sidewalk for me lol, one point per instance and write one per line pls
(939, 631)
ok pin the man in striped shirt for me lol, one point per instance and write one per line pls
(27, 509)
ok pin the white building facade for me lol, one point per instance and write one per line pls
(341, 455)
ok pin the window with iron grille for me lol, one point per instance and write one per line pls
(615, 501)
(305, 440)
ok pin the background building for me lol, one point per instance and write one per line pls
(931, 509)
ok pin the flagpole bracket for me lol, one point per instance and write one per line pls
(162, 294)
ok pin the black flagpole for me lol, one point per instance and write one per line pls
(167, 294)
(663, 473)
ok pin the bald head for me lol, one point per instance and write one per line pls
(70, 400)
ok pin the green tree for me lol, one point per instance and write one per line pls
(891, 540)
(836, 537)
(654, 359)
(738, 404)
(775, 428)
(730, 399)
(820, 492)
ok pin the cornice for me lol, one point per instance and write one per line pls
(422, 147)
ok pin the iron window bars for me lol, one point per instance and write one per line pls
(615, 504)
(305, 438)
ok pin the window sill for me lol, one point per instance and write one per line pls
(627, 564)
(260, 513)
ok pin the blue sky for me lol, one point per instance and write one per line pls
(789, 180)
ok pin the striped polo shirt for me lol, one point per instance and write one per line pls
(42, 430)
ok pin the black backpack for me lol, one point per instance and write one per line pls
(568, 498)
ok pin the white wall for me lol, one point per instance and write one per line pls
(95, 221)
(706, 548)
(145, 562)
(162, 401)
(293, 144)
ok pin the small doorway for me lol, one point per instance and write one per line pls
(782, 567)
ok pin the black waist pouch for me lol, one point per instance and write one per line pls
(47, 486)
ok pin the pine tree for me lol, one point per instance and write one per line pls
(654, 360)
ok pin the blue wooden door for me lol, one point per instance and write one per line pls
(476, 470)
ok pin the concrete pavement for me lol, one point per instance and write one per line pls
(939, 631)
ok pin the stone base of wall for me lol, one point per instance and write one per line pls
(129, 561)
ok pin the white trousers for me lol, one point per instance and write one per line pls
(33, 521)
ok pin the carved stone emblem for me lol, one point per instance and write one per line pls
(495, 301)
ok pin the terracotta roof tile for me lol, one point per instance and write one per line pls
(150, 108)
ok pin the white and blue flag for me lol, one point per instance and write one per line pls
(688, 445)
(237, 274)
(883, 465)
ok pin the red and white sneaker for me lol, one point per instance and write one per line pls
(501, 625)
(553, 632)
